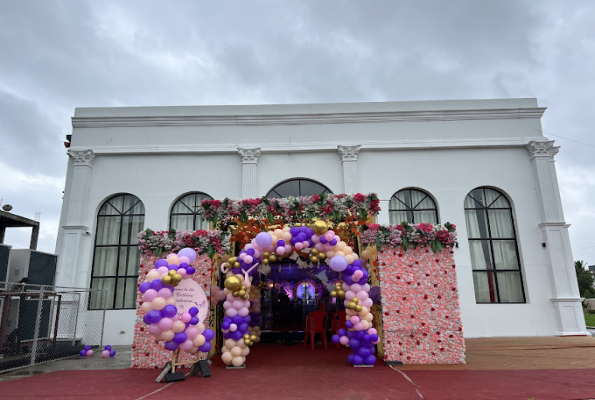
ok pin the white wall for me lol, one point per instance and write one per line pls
(166, 171)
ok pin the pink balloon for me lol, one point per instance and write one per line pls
(287, 248)
(154, 329)
(299, 246)
(182, 272)
(344, 340)
(358, 327)
(185, 317)
(146, 307)
(243, 256)
(193, 350)
(150, 295)
(248, 259)
(165, 293)
(232, 312)
(355, 320)
(248, 246)
(372, 331)
(280, 250)
(170, 255)
(191, 332)
(243, 311)
(233, 327)
(90, 353)
(168, 335)
(162, 270)
(165, 324)
(179, 326)
(362, 295)
(368, 303)
(175, 317)
(269, 248)
(257, 254)
(319, 246)
(238, 304)
(105, 353)
(306, 244)
(349, 295)
(184, 259)
(356, 288)
(357, 275)
(316, 239)
(186, 345)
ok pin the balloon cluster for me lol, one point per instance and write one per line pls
(87, 351)
(338, 292)
(108, 352)
(360, 335)
(184, 330)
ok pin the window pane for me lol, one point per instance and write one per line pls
(481, 254)
(123, 261)
(108, 209)
(201, 223)
(119, 294)
(396, 204)
(130, 294)
(477, 224)
(505, 254)
(501, 202)
(117, 203)
(396, 217)
(420, 199)
(287, 189)
(475, 199)
(137, 225)
(130, 204)
(404, 196)
(509, 285)
(105, 262)
(183, 206)
(133, 261)
(105, 284)
(485, 287)
(108, 230)
(182, 222)
(501, 224)
(425, 216)
(309, 188)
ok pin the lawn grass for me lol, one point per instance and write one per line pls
(590, 319)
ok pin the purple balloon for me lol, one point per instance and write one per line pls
(169, 311)
(83, 353)
(341, 332)
(205, 347)
(264, 239)
(193, 311)
(350, 358)
(157, 285)
(227, 335)
(294, 231)
(243, 328)
(152, 317)
(194, 320)
(309, 232)
(237, 335)
(366, 338)
(190, 270)
(171, 345)
(88, 347)
(280, 242)
(112, 353)
(323, 240)
(335, 339)
(333, 242)
(250, 252)
(370, 360)
(144, 287)
(108, 347)
(357, 360)
(247, 317)
(349, 334)
(373, 337)
(172, 267)
(160, 263)
(363, 352)
(237, 319)
(354, 344)
(208, 334)
(348, 324)
(184, 265)
(180, 337)
(357, 263)
(225, 325)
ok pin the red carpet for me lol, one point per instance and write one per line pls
(280, 372)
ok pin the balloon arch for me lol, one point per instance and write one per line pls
(241, 324)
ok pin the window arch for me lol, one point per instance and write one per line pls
(414, 206)
(493, 245)
(298, 187)
(184, 213)
(116, 255)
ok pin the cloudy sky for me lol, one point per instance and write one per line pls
(58, 55)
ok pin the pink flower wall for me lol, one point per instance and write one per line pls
(146, 351)
(420, 304)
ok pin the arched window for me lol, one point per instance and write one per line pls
(116, 257)
(413, 206)
(494, 251)
(298, 187)
(184, 214)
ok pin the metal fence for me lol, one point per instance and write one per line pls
(46, 323)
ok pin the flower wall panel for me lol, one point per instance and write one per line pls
(147, 352)
(421, 316)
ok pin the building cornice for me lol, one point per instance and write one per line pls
(222, 148)
(308, 119)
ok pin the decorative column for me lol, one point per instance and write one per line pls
(69, 260)
(565, 294)
(249, 171)
(349, 158)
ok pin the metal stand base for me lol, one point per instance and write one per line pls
(164, 372)
(363, 366)
(232, 367)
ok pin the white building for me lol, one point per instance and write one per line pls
(443, 149)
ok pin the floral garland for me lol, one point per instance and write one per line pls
(410, 235)
(334, 207)
(204, 242)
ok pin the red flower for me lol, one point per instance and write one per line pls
(359, 197)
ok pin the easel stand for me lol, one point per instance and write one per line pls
(199, 368)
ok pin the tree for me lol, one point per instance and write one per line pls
(585, 280)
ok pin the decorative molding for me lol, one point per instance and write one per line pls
(349, 153)
(542, 148)
(82, 157)
(249, 156)
(308, 147)
(309, 119)
(567, 299)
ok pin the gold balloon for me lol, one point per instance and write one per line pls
(314, 252)
(244, 297)
(177, 278)
(273, 258)
(358, 308)
(242, 287)
(246, 336)
(236, 264)
(320, 227)
(174, 284)
(333, 294)
(253, 338)
(265, 261)
(337, 287)
(233, 283)
(242, 293)
(355, 300)
(166, 280)
(314, 259)
(266, 254)
(341, 293)
(172, 273)
(350, 305)
(321, 255)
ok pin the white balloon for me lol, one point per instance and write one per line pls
(230, 343)
(237, 361)
(236, 351)
(245, 351)
(226, 357)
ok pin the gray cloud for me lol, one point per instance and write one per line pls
(59, 55)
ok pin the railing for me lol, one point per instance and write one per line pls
(46, 323)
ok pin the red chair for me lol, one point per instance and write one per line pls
(338, 322)
(315, 323)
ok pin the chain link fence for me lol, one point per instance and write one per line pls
(46, 323)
